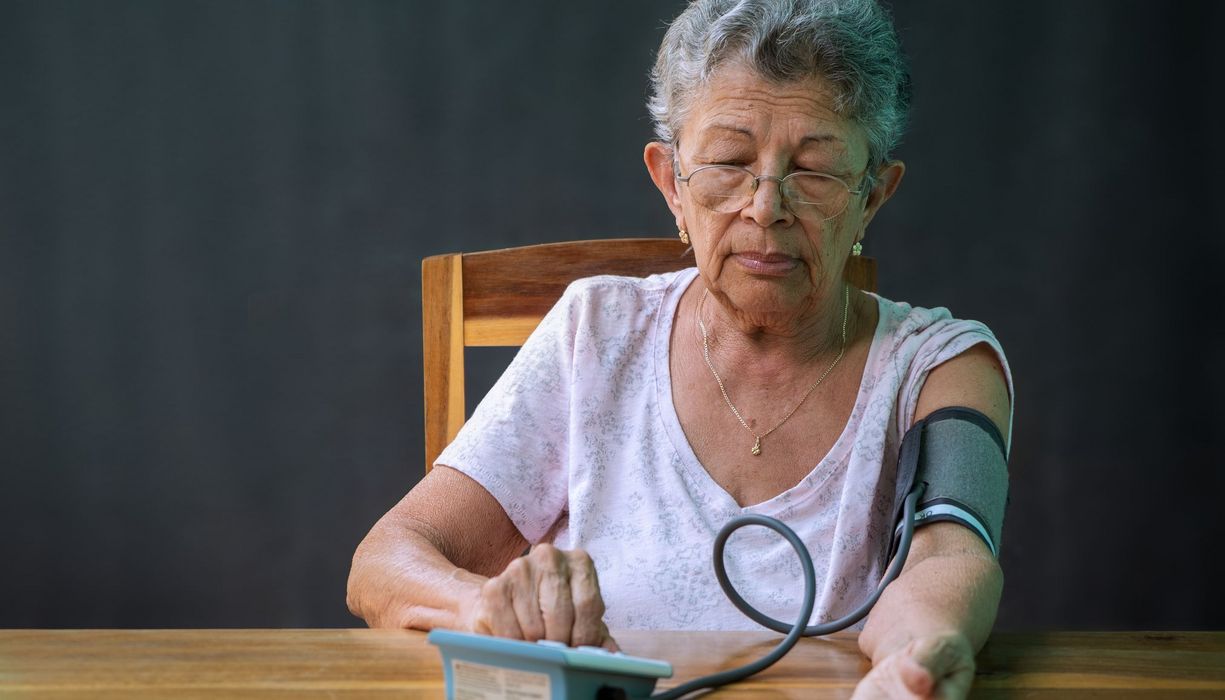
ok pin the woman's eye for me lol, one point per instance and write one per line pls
(738, 161)
(823, 168)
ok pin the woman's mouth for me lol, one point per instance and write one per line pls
(766, 264)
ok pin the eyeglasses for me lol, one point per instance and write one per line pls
(730, 188)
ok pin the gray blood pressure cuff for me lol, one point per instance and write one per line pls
(959, 455)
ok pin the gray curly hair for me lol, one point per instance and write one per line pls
(850, 43)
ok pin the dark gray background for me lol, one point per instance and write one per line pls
(212, 217)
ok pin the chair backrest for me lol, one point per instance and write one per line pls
(497, 298)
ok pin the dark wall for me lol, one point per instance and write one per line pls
(212, 217)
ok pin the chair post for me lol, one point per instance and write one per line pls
(442, 331)
(861, 272)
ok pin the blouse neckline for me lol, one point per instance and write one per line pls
(838, 453)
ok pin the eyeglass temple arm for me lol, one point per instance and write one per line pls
(676, 169)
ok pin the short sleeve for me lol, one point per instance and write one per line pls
(516, 442)
(941, 339)
(969, 484)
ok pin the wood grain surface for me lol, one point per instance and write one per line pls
(442, 341)
(386, 663)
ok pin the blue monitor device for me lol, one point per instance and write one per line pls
(481, 667)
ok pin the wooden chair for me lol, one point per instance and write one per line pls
(497, 297)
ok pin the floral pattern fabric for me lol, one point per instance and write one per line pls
(580, 443)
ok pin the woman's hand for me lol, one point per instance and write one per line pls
(548, 593)
(938, 666)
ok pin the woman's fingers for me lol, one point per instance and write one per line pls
(956, 685)
(588, 627)
(495, 614)
(522, 581)
(547, 594)
(609, 643)
(553, 598)
(916, 677)
(940, 666)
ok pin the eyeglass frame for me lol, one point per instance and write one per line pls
(676, 171)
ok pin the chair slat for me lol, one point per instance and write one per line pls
(528, 281)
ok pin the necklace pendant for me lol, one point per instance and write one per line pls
(757, 447)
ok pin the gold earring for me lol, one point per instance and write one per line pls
(857, 249)
(684, 236)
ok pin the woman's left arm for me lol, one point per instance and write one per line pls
(924, 631)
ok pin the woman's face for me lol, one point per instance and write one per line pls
(768, 265)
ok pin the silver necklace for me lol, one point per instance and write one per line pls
(846, 303)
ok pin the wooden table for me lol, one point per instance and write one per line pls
(381, 663)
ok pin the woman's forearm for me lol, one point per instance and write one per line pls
(424, 563)
(958, 592)
(408, 573)
(400, 579)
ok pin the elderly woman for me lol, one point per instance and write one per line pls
(644, 413)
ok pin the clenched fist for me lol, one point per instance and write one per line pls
(548, 593)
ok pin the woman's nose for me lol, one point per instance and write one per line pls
(767, 207)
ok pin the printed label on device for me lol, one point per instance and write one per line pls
(473, 681)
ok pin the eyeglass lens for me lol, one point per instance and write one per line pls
(728, 189)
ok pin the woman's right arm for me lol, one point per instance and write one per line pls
(447, 555)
